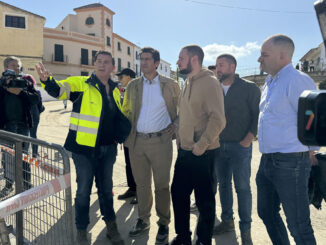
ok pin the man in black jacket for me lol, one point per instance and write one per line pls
(15, 111)
(241, 105)
(125, 76)
(92, 138)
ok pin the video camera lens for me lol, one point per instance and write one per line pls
(16, 81)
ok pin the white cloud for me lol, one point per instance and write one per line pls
(213, 50)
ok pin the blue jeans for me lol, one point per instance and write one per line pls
(235, 160)
(282, 178)
(100, 167)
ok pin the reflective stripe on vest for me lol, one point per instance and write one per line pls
(85, 117)
(86, 121)
(86, 127)
(83, 129)
(65, 90)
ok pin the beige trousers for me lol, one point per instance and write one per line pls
(152, 156)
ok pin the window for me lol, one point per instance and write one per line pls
(161, 67)
(137, 55)
(136, 68)
(119, 64)
(128, 64)
(108, 41)
(128, 50)
(91, 34)
(166, 69)
(108, 22)
(58, 52)
(119, 46)
(84, 56)
(15, 21)
(84, 73)
(89, 21)
(93, 56)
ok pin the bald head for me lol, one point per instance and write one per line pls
(276, 52)
(282, 42)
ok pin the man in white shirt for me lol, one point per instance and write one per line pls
(150, 103)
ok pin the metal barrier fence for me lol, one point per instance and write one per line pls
(35, 193)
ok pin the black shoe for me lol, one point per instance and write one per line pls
(127, 194)
(177, 241)
(113, 234)
(82, 237)
(134, 201)
(246, 238)
(139, 228)
(223, 227)
(162, 236)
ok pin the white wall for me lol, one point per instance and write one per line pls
(164, 68)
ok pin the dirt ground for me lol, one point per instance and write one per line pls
(54, 127)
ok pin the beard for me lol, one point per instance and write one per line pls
(187, 70)
(223, 77)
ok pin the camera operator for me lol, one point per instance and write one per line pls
(15, 111)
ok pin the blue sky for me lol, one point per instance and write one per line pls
(235, 26)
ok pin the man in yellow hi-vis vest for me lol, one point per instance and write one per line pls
(94, 130)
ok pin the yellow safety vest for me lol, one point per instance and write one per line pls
(86, 121)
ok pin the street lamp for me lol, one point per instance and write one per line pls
(320, 8)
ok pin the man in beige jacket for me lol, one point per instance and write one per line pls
(150, 104)
(201, 119)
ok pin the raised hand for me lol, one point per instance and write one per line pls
(42, 72)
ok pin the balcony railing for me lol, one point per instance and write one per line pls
(87, 62)
(63, 60)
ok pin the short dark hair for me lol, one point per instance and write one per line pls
(104, 53)
(195, 50)
(211, 67)
(229, 57)
(155, 53)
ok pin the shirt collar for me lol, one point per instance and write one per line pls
(154, 81)
(284, 70)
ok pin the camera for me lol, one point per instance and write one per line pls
(16, 81)
(312, 118)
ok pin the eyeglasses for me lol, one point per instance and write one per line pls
(145, 59)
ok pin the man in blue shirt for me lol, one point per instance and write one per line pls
(284, 169)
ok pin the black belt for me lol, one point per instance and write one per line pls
(149, 135)
(293, 154)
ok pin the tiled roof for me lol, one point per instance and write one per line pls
(93, 5)
(11, 6)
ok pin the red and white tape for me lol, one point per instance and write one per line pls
(36, 162)
(31, 196)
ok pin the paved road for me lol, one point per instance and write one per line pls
(54, 127)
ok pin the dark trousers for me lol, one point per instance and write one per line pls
(282, 178)
(99, 167)
(18, 128)
(130, 178)
(34, 135)
(194, 173)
